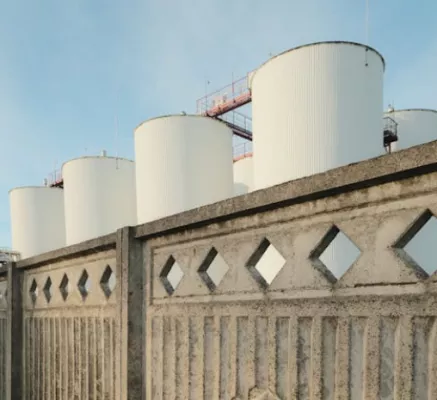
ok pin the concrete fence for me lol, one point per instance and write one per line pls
(236, 301)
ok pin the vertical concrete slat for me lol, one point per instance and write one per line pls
(271, 345)
(216, 360)
(183, 359)
(43, 357)
(157, 371)
(250, 353)
(293, 334)
(432, 362)
(316, 359)
(196, 355)
(232, 352)
(169, 358)
(371, 358)
(49, 347)
(149, 377)
(242, 350)
(342, 359)
(403, 359)
(96, 360)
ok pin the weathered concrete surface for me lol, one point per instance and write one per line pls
(77, 250)
(3, 336)
(369, 334)
(71, 343)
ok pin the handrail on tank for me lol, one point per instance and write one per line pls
(229, 97)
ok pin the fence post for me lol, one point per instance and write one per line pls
(14, 343)
(132, 315)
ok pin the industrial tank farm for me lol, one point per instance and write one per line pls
(37, 219)
(182, 162)
(99, 196)
(414, 126)
(314, 108)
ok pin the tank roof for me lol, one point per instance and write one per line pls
(179, 115)
(317, 44)
(411, 109)
(34, 187)
(96, 158)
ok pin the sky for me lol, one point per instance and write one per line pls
(70, 69)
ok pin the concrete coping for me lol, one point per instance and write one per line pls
(399, 165)
(88, 247)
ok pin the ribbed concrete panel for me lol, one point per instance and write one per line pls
(182, 162)
(415, 126)
(71, 340)
(284, 357)
(315, 108)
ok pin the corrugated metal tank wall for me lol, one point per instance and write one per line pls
(243, 175)
(415, 126)
(37, 220)
(315, 108)
(99, 196)
(182, 162)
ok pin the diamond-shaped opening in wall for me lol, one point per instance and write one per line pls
(84, 284)
(419, 243)
(336, 251)
(171, 275)
(213, 269)
(108, 281)
(33, 291)
(47, 289)
(265, 263)
(64, 287)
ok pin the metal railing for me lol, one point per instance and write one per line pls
(237, 119)
(217, 102)
(243, 149)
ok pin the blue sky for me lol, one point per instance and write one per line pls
(68, 68)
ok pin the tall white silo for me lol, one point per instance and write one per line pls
(99, 196)
(314, 108)
(182, 162)
(37, 219)
(414, 126)
(243, 175)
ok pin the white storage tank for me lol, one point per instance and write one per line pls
(414, 126)
(37, 219)
(99, 196)
(243, 174)
(182, 162)
(314, 108)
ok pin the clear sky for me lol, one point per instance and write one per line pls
(68, 68)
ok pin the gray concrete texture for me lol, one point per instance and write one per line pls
(3, 337)
(194, 315)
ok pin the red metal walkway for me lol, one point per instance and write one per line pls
(222, 104)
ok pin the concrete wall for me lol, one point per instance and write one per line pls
(225, 331)
(3, 333)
